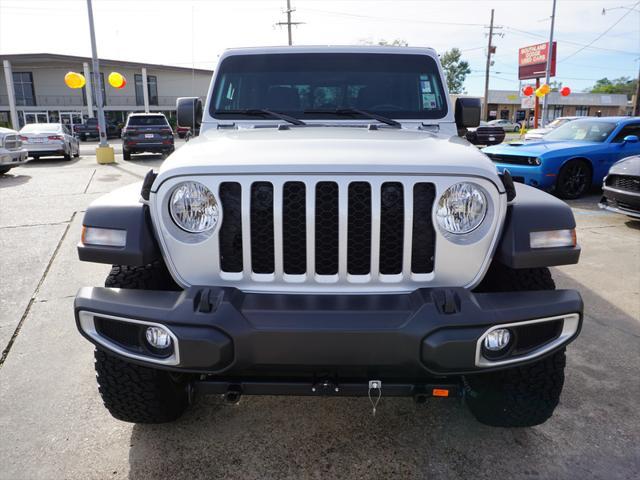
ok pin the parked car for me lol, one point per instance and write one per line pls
(49, 140)
(485, 134)
(12, 153)
(621, 187)
(538, 133)
(89, 129)
(147, 132)
(571, 158)
(310, 247)
(507, 125)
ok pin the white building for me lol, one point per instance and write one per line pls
(32, 89)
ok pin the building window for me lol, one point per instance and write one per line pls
(152, 89)
(23, 88)
(553, 112)
(582, 111)
(152, 83)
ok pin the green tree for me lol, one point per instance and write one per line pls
(398, 42)
(455, 70)
(624, 85)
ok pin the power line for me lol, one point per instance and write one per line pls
(602, 34)
(289, 23)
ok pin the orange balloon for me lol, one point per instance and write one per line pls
(74, 80)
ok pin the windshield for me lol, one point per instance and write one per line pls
(40, 127)
(147, 120)
(583, 131)
(315, 85)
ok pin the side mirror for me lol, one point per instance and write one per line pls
(189, 112)
(630, 139)
(468, 112)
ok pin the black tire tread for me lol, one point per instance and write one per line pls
(137, 394)
(153, 276)
(500, 278)
(524, 396)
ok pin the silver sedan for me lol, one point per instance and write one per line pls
(49, 139)
(507, 125)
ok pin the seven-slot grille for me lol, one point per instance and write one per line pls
(326, 228)
(624, 182)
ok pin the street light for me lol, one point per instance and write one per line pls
(104, 153)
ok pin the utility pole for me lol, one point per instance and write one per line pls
(490, 50)
(289, 23)
(104, 153)
(549, 57)
(636, 105)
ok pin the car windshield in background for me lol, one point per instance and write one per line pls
(40, 128)
(147, 121)
(583, 131)
(320, 84)
(558, 122)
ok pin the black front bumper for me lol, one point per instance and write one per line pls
(620, 201)
(224, 331)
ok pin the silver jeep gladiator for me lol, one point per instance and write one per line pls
(328, 233)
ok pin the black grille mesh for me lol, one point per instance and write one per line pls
(359, 229)
(391, 228)
(262, 260)
(231, 228)
(629, 183)
(326, 228)
(294, 228)
(424, 235)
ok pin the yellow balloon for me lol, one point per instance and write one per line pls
(74, 80)
(117, 80)
(545, 89)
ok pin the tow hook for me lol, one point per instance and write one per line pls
(325, 387)
(233, 395)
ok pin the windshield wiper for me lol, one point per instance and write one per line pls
(262, 111)
(356, 111)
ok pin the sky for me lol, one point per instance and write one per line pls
(193, 33)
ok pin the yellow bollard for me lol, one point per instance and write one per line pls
(105, 155)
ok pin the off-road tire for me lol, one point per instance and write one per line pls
(517, 397)
(521, 396)
(137, 394)
(130, 392)
(154, 276)
(4, 170)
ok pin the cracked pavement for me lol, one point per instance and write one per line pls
(53, 424)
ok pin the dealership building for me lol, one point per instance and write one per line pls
(32, 89)
(507, 105)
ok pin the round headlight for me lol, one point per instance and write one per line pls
(194, 208)
(461, 208)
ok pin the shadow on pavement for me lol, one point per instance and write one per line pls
(593, 433)
(10, 180)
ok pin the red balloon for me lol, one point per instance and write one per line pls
(565, 92)
(528, 90)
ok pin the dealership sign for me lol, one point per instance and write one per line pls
(532, 61)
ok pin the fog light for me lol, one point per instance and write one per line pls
(497, 340)
(158, 337)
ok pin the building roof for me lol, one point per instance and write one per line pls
(28, 59)
(512, 97)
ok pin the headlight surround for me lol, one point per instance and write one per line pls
(461, 208)
(194, 208)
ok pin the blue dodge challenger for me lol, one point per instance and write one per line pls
(568, 160)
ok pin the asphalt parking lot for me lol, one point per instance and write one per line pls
(53, 424)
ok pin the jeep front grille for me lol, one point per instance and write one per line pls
(353, 230)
